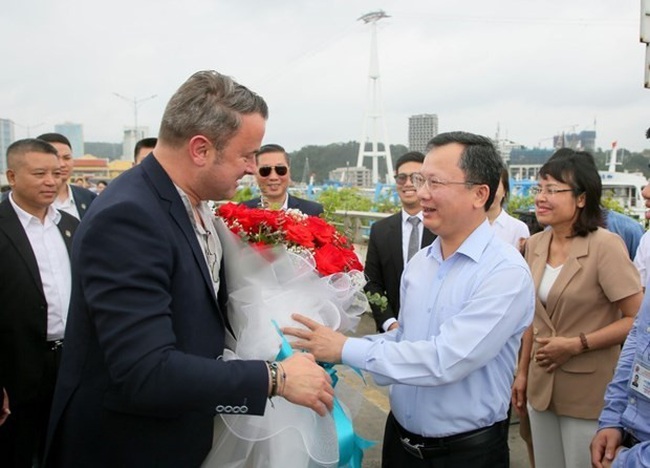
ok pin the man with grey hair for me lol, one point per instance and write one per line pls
(142, 376)
(466, 300)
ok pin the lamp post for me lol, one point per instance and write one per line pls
(136, 102)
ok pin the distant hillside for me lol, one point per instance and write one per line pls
(110, 151)
(323, 159)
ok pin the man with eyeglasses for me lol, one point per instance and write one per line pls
(273, 176)
(394, 240)
(466, 301)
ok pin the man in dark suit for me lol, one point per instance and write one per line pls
(273, 176)
(141, 377)
(389, 242)
(72, 198)
(35, 240)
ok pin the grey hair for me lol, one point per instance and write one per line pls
(208, 104)
(480, 160)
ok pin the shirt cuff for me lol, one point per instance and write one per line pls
(355, 351)
(388, 323)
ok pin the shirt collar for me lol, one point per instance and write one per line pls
(406, 216)
(501, 219)
(472, 247)
(26, 218)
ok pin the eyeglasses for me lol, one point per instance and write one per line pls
(548, 191)
(265, 171)
(211, 257)
(402, 177)
(432, 184)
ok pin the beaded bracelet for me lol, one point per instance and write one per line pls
(584, 342)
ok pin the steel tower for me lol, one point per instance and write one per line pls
(374, 123)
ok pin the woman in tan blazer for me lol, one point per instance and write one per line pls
(588, 293)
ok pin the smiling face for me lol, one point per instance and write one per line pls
(274, 186)
(34, 182)
(454, 210)
(559, 210)
(407, 193)
(219, 178)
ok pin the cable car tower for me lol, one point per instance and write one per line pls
(374, 122)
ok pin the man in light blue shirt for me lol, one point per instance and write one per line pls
(623, 437)
(467, 300)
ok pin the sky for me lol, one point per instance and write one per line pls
(533, 69)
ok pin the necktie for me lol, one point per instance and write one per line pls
(414, 239)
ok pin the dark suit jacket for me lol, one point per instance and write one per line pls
(140, 378)
(23, 313)
(83, 198)
(385, 263)
(308, 207)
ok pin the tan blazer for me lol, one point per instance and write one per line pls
(597, 273)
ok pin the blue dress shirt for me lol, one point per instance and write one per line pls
(625, 408)
(451, 360)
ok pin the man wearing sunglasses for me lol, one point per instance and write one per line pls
(273, 176)
(386, 256)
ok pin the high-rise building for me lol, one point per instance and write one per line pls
(130, 139)
(75, 133)
(422, 128)
(6, 138)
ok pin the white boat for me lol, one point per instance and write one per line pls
(624, 187)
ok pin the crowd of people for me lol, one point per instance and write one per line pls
(113, 321)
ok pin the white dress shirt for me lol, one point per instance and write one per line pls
(451, 361)
(53, 265)
(510, 229)
(642, 257)
(68, 205)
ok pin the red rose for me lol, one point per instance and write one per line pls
(322, 231)
(299, 234)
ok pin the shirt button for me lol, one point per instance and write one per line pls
(632, 401)
(535, 331)
(647, 330)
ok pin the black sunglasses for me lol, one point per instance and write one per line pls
(265, 171)
(402, 177)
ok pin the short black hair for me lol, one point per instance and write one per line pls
(144, 143)
(480, 160)
(578, 169)
(411, 156)
(28, 145)
(55, 138)
(271, 148)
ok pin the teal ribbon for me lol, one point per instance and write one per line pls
(351, 446)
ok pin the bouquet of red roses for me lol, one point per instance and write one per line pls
(299, 233)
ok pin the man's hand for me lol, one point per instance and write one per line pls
(393, 326)
(519, 394)
(324, 343)
(604, 447)
(4, 411)
(306, 383)
(556, 351)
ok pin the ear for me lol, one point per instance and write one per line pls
(581, 200)
(199, 147)
(482, 192)
(11, 177)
